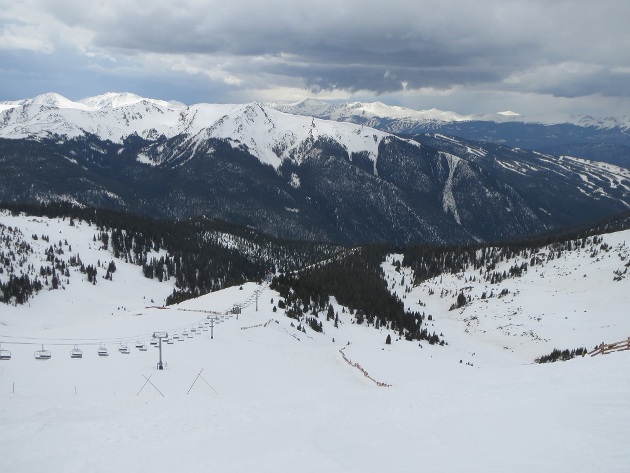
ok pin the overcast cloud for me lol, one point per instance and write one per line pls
(481, 56)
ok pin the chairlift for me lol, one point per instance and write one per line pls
(139, 344)
(185, 333)
(193, 330)
(175, 336)
(102, 350)
(123, 348)
(42, 354)
(170, 341)
(4, 354)
(205, 329)
(154, 342)
(143, 347)
(76, 352)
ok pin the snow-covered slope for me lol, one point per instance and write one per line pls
(566, 299)
(260, 395)
(376, 110)
(114, 116)
(401, 119)
(269, 134)
(110, 117)
(273, 136)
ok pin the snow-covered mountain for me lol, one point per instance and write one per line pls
(269, 134)
(254, 391)
(294, 175)
(371, 113)
(403, 119)
(601, 139)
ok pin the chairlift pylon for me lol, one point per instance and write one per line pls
(76, 352)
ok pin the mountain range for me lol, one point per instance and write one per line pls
(294, 175)
(597, 138)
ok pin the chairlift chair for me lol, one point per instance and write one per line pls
(154, 342)
(102, 350)
(4, 354)
(76, 352)
(123, 348)
(42, 354)
(139, 344)
(170, 341)
(189, 334)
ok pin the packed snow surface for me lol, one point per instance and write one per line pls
(259, 395)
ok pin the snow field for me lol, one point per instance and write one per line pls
(271, 398)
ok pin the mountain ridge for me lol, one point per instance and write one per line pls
(336, 110)
(294, 176)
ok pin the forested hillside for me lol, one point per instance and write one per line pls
(200, 255)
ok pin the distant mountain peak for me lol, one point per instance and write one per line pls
(367, 110)
(509, 113)
(52, 99)
(124, 99)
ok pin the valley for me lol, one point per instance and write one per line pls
(264, 393)
(293, 176)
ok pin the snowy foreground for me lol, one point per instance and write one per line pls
(272, 399)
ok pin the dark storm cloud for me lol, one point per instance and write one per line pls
(563, 48)
(352, 46)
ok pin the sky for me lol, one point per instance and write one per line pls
(469, 56)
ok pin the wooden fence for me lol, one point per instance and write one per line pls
(259, 325)
(360, 368)
(606, 348)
